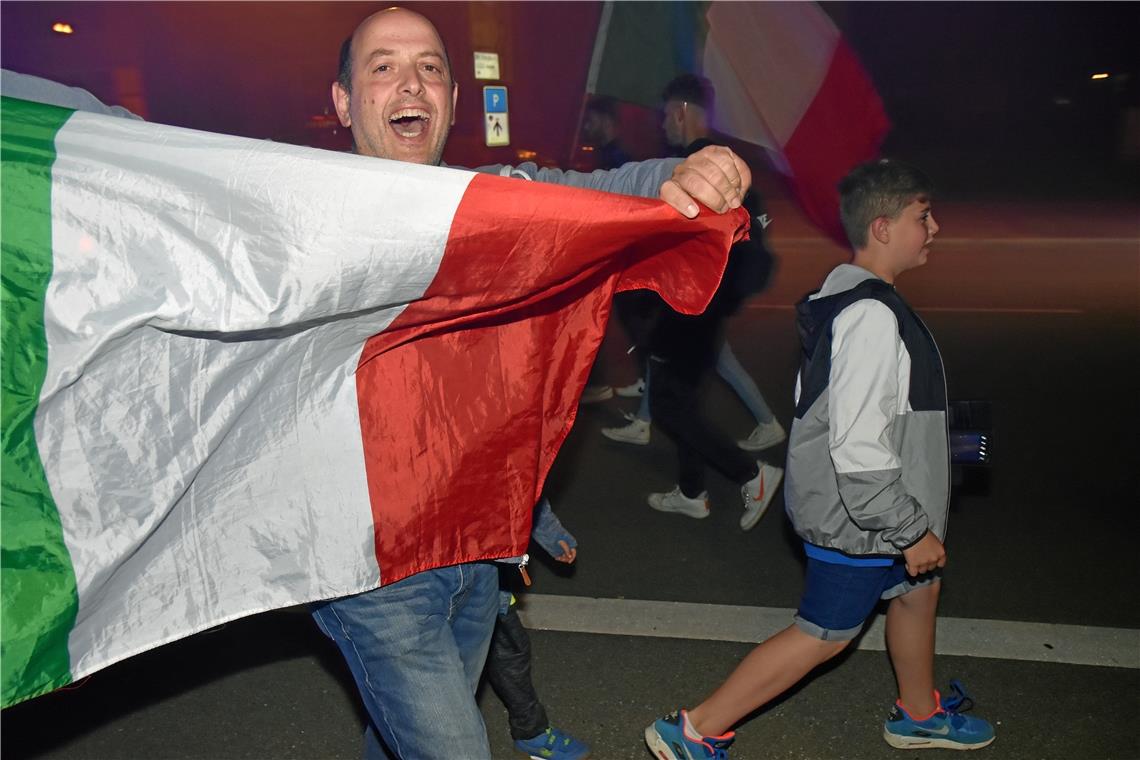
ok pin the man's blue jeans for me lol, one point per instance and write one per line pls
(416, 649)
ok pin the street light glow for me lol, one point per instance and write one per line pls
(1101, 75)
(61, 28)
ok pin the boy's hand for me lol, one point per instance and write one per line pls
(928, 554)
(714, 175)
(568, 554)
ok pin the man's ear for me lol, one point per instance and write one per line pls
(881, 229)
(454, 100)
(340, 100)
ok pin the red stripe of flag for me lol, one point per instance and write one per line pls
(466, 399)
(844, 126)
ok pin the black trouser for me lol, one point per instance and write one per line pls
(637, 310)
(685, 349)
(508, 672)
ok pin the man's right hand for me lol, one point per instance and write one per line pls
(714, 175)
(928, 554)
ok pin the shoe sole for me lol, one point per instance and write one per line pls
(657, 745)
(924, 742)
(669, 511)
(751, 446)
(634, 441)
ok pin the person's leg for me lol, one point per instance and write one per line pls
(415, 649)
(766, 672)
(508, 672)
(921, 717)
(910, 644)
(473, 613)
(674, 406)
(643, 409)
(675, 409)
(733, 372)
(836, 601)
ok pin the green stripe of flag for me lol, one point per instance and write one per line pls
(39, 592)
(647, 45)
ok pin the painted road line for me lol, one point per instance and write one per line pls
(776, 241)
(943, 309)
(965, 637)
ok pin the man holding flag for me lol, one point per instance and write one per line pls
(416, 647)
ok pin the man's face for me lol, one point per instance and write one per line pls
(592, 128)
(673, 123)
(912, 232)
(402, 102)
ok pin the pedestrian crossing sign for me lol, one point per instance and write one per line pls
(498, 129)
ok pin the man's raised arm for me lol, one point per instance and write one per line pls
(714, 176)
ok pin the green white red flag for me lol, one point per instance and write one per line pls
(785, 79)
(239, 375)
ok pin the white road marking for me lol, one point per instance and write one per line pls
(945, 309)
(777, 241)
(966, 637)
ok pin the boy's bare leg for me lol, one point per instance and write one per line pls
(766, 672)
(910, 644)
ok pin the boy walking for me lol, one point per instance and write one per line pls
(867, 484)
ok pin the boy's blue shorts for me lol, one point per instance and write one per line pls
(838, 599)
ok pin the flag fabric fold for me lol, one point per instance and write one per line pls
(240, 375)
(785, 79)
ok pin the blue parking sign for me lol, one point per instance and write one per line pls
(495, 99)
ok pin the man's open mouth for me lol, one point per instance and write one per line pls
(409, 122)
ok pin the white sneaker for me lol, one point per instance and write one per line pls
(758, 492)
(637, 432)
(765, 436)
(632, 391)
(592, 394)
(675, 501)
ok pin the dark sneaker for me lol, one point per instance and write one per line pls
(673, 738)
(947, 728)
(553, 744)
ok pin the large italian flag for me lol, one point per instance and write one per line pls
(240, 375)
(785, 79)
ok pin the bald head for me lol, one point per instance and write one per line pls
(395, 90)
(344, 68)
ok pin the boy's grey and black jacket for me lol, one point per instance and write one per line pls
(868, 457)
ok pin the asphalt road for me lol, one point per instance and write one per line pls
(1035, 308)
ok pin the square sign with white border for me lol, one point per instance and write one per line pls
(498, 129)
(495, 99)
(486, 65)
(496, 122)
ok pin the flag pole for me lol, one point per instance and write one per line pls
(592, 75)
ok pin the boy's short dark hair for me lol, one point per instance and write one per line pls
(690, 88)
(878, 188)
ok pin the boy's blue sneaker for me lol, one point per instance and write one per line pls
(553, 744)
(673, 738)
(947, 728)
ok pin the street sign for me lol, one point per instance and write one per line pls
(495, 119)
(494, 99)
(498, 129)
(486, 65)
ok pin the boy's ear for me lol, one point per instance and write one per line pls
(881, 229)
